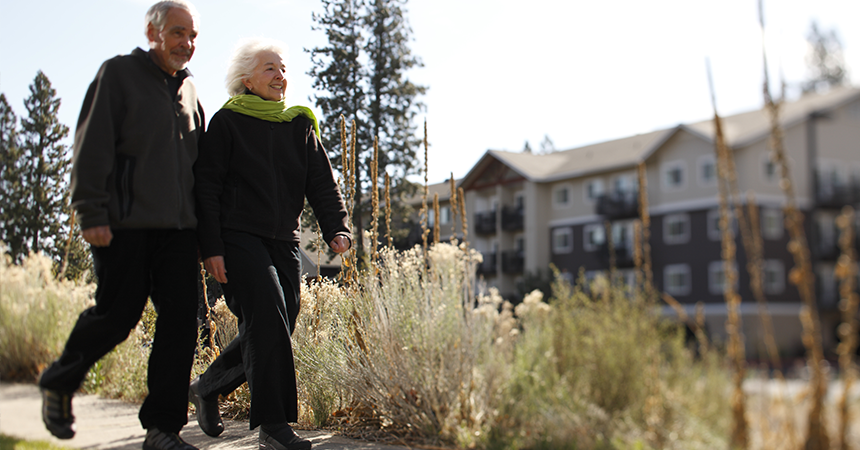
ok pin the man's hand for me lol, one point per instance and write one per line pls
(339, 244)
(215, 266)
(98, 236)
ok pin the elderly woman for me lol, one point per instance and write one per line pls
(258, 162)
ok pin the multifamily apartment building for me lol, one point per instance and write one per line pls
(527, 211)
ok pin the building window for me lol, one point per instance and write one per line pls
(593, 189)
(774, 277)
(625, 184)
(769, 169)
(562, 240)
(771, 223)
(713, 225)
(561, 196)
(717, 277)
(593, 236)
(676, 229)
(444, 215)
(676, 279)
(707, 171)
(674, 176)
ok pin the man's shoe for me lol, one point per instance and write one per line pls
(208, 416)
(281, 437)
(57, 413)
(162, 440)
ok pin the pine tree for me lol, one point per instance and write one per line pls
(11, 187)
(360, 75)
(44, 170)
(825, 61)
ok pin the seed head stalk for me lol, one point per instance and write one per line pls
(846, 271)
(801, 275)
(645, 216)
(740, 426)
(388, 211)
(374, 226)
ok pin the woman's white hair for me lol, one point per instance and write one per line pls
(157, 14)
(244, 61)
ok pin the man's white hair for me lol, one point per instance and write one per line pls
(157, 14)
(244, 60)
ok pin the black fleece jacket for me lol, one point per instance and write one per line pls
(253, 176)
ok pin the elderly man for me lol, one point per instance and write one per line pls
(132, 188)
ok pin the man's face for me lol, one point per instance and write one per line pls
(173, 46)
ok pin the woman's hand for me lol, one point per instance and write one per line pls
(215, 266)
(340, 244)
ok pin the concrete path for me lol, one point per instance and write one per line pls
(112, 424)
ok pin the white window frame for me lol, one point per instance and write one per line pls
(587, 245)
(673, 269)
(714, 286)
(777, 267)
(664, 172)
(772, 223)
(681, 239)
(555, 191)
(713, 224)
(597, 191)
(700, 166)
(445, 215)
(556, 233)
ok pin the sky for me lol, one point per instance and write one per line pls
(499, 72)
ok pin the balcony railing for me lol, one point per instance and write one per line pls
(618, 205)
(513, 261)
(488, 265)
(512, 218)
(485, 222)
(623, 254)
(832, 195)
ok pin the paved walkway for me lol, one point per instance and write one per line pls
(112, 424)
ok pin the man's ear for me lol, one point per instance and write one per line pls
(151, 33)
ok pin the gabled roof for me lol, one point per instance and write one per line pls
(740, 130)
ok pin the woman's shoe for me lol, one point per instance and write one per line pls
(281, 437)
(208, 415)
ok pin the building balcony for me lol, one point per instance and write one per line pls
(831, 195)
(485, 222)
(513, 261)
(618, 205)
(512, 218)
(623, 255)
(488, 266)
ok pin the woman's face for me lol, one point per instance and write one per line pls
(267, 80)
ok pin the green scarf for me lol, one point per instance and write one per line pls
(254, 106)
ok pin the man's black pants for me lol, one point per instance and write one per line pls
(140, 264)
(263, 292)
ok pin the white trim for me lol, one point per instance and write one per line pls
(682, 238)
(671, 165)
(572, 221)
(588, 246)
(558, 250)
(671, 269)
(746, 309)
(700, 163)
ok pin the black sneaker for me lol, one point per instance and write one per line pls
(281, 437)
(208, 416)
(162, 440)
(57, 413)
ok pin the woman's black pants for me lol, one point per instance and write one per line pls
(262, 290)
